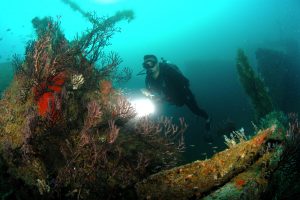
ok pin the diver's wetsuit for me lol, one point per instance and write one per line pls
(172, 83)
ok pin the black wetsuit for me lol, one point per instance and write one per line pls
(175, 87)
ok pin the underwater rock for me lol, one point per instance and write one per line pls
(281, 73)
(64, 128)
(237, 172)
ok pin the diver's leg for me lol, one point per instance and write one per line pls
(193, 106)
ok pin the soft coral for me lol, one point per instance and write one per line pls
(48, 96)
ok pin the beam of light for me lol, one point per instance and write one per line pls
(143, 107)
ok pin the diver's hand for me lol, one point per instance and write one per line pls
(207, 124)
(147, 93)
(157, 99)
(154, 97)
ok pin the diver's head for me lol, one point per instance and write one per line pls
(151, 63)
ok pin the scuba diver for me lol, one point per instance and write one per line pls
(164, 81)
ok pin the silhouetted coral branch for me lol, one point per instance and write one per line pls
(97, 38)
(127, 14)
(109, 64)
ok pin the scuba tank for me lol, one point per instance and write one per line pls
(164, 60)
(170, 64)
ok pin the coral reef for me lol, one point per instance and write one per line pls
(285, 181)
(66, 132)
(253, 86)
(243, 171)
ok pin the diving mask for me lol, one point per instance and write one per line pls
(149, 64)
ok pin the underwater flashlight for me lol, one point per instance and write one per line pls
(143, 107)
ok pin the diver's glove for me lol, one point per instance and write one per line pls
(147, 93)
(207, 124)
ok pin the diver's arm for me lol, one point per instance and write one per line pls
(149, 90)
(152, 95)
